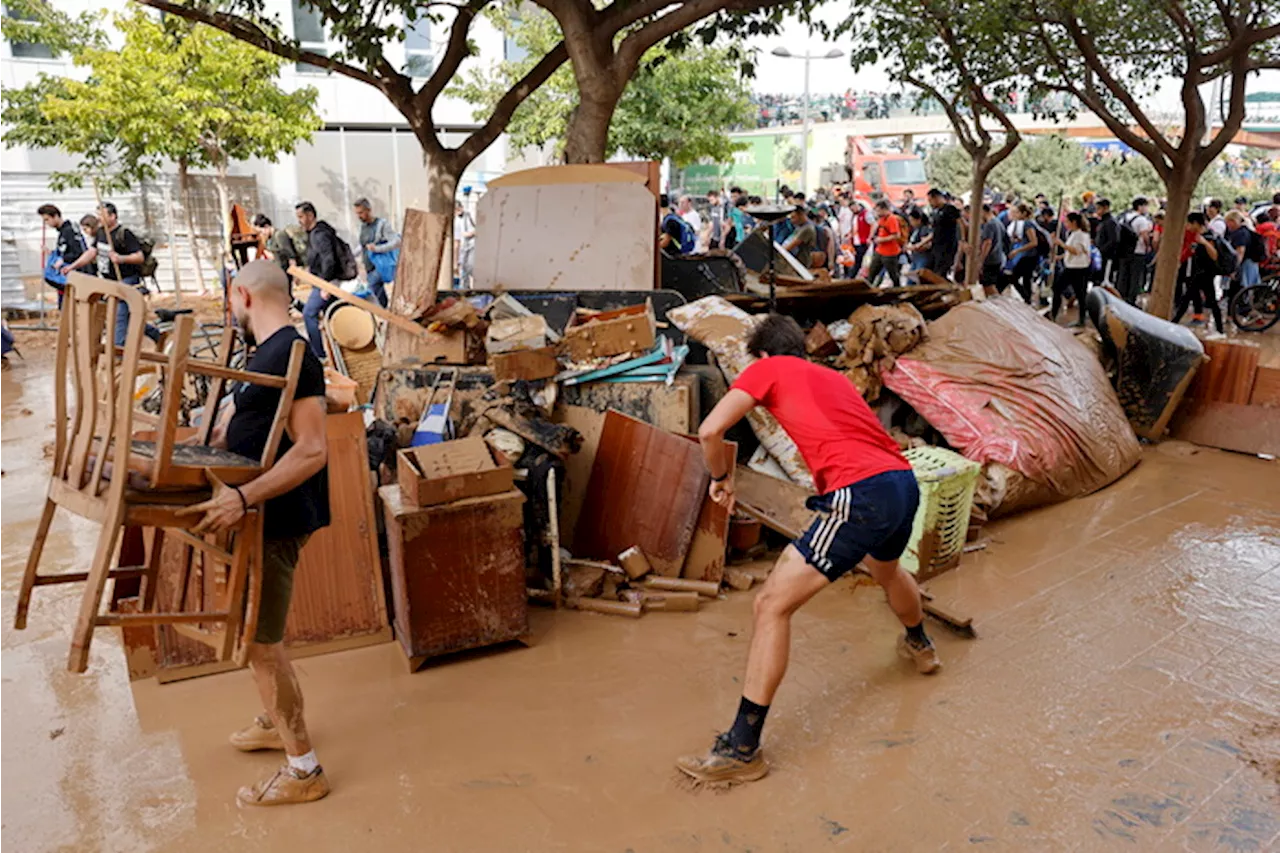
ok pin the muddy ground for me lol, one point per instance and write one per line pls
(1123, 695)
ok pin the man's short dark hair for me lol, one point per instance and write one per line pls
(1242, 199)
(664, 200)
(777, 334)
(1140, 201)
(1275, 198)
(49, 210)
(363, 202)
(934, 191)
(261, 221)
(737, 190)
(742, 201)
(798, 198)
(986, 208)
(1195, 217)
(1048, 211)
(1263, 216)
(305, 207)
(110, 207)
(1215, 202)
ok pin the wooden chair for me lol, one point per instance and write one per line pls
(101, 472)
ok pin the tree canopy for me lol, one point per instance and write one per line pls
(678, 104)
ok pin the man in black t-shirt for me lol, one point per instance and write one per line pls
(945, 222)
(68, 247)
(295, 491)
(119, 258)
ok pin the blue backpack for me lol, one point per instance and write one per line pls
(688, 239)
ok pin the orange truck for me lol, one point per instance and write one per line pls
(888, 173)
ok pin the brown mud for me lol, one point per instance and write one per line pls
(1123, 695)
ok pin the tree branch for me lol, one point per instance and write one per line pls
(627, 57)
(1240, 44)
(506, 106)
(962, 130)
(248, 31)
(1234, 120)
(454, 53)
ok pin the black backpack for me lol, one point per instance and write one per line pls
(149, 263)
(1228, 263)
(1127, 240)
(1256, 250)
(347, 269)
(1108, 237)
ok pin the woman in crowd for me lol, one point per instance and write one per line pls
(1075, 262)
(1020, 265)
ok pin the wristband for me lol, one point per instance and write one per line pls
(244, 505)
(721, 478)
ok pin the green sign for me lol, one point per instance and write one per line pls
(767, 161)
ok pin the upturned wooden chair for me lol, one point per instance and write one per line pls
(103, 473)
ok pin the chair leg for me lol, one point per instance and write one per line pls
(91, 602)
(248, 548)
(153, 570)
(33, 563)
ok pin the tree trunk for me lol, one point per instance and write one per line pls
(224, 209)
(173, 245)
(1179, 187)
(184, 191)
(587, 136)
(973, 262)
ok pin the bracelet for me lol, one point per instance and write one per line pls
(721, 478)
(244, 505)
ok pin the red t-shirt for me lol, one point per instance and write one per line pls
(888, 226)
(834, 429)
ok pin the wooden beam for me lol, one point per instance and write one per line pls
(372, 307)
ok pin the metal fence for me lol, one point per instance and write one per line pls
(142, 210)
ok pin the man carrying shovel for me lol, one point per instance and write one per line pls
(867, 498)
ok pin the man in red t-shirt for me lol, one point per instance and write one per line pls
(888, 251)
(866, 502)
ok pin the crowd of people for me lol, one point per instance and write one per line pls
(1023, 243)
(776, 110)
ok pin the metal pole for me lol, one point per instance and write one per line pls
(804, 135)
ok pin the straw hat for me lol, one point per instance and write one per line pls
(352, 327)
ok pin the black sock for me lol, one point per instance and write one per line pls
(916, 634)
(744, 737)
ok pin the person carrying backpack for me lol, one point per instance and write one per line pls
(1106, 237)
(1249, 249)
(1131, 251)
(328, 257)
(675, 236)
(1203, 267)
(120, 256)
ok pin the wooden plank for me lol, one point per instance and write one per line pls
(646, 489)
(522, 244)
(578, 466)
(1230, 426)
(1227, 377)
(373, 308)
(418, 273)
(705, 560)
(776, 504)
(1266, 387)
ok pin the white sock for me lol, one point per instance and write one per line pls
(304, 764)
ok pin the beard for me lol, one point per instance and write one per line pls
(246, 328)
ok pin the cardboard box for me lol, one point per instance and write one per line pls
(624, 330)
(527, 364)
(452, 470)
(517, 333)
(457, 346)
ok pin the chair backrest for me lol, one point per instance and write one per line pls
(101, 381)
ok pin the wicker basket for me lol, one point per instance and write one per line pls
(946, 482)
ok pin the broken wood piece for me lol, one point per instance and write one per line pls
(683, 585)
(594, 564)
(583, 581)
(528, 364)
(614, 608)
(623, 330)
(670, 602)
(634, 563)
(818, 343)
(373, 308)
(739, 579)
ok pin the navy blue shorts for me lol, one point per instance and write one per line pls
(872, 516)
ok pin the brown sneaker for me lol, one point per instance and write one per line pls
(286, 786)
(260, 734)
(721, 766)
(925, 657)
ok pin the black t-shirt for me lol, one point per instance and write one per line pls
(671, 227)
(946, 227)
(126, 244)
(70, 242)
(1239, 238)
(306, 508)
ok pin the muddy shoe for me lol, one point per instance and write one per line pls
(260, 734)
(284, 787)
(925, 657)
(722, 765)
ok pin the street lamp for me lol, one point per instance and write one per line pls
(834, 53)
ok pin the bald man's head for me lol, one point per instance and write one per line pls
(260, 290)
(265, 280)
